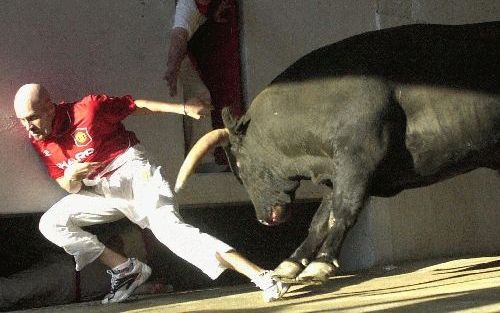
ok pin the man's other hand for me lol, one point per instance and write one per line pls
(79, 171)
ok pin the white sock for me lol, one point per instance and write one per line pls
(122, 266)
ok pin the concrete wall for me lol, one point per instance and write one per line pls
(459, 216)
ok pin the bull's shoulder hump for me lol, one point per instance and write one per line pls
(429, 54)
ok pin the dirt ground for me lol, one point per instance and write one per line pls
(459, 285)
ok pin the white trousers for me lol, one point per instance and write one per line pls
(135, 190)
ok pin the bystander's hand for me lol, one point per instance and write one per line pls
(177, 52)
(171, 78)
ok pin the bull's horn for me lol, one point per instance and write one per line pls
(203, 145)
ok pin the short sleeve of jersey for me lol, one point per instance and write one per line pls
(188, 16)
(113, 109)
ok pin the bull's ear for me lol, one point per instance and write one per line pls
(235, 127)
(228, 119)
(242, 125)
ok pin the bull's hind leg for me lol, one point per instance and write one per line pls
(288, 270)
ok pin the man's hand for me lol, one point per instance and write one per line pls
(71, 181)
(79, 171)
(197, 108)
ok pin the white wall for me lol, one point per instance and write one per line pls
(277, 33)
(459, 216)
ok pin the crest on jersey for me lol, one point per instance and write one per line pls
(81, 137)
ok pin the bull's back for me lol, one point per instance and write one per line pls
(444, 77)
(444, 80)
(456, 56)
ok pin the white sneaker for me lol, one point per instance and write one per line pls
(272, 289)
(124, 282)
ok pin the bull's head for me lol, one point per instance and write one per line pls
(270, 193)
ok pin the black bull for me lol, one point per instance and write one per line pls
(371, 115)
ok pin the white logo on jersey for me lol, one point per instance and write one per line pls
(79, 157)
(47, 153)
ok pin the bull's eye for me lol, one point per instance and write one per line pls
(238, 164)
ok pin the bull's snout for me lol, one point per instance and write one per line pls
(276, 215)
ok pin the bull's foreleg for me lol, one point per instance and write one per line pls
(344, 214)
(359, 146)
(289, 269)
(349, 194)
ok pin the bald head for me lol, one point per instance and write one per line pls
(35, 110)
(30, 96)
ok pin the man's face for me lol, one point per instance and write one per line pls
(36, 118)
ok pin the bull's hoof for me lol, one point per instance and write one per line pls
(287, 271)
(316, 273)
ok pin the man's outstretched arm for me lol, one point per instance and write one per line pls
(194, 107)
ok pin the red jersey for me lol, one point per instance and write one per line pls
(89, 130)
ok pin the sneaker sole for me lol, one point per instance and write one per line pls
(293, 281)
